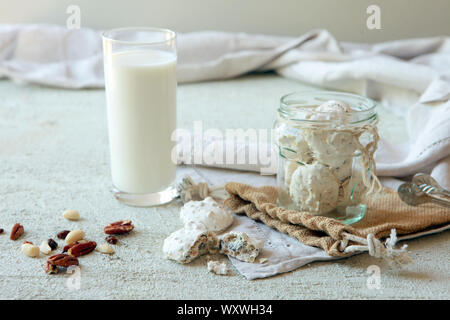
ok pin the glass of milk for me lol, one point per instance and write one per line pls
(141, 88)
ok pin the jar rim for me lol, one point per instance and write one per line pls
(306, 98)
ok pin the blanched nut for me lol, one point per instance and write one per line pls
(45, 247)
(104, 248)
(74, 236)
(71, 215)
(30, 250)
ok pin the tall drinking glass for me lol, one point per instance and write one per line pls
(141, 87)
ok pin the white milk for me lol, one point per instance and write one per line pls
(141, 99)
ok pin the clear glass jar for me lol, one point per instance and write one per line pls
(326, 142)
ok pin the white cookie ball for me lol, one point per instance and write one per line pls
(314, 188)
(331, 110)
(344, 171)
(206, 213)
(292, 144)
(331, 147)
(289, 168)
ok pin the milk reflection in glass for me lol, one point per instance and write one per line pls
(141, 101)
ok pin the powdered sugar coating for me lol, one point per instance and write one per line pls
(207, 214)
(314, 188)
(292, 144)
(331, 110)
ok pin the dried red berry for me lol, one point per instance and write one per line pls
(52, 244)
(62, 235)
(111, 239)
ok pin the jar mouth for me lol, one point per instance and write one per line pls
(297, 106)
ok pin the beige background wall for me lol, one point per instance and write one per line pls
(346, 19)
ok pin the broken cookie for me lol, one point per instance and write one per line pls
(190, 242)
(238, 245)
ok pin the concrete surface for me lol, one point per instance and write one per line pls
(54, 156)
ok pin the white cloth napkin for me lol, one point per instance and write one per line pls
(411, 77)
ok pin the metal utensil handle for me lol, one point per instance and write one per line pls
(429, 189)
(443, 192)
(440, 201)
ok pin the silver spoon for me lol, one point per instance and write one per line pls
(422, 189)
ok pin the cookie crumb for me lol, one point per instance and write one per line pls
(218, 267)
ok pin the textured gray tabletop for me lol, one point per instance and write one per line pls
(54, 156)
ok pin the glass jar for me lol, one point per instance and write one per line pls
(326, 142)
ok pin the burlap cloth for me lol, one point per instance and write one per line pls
(385, 213)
